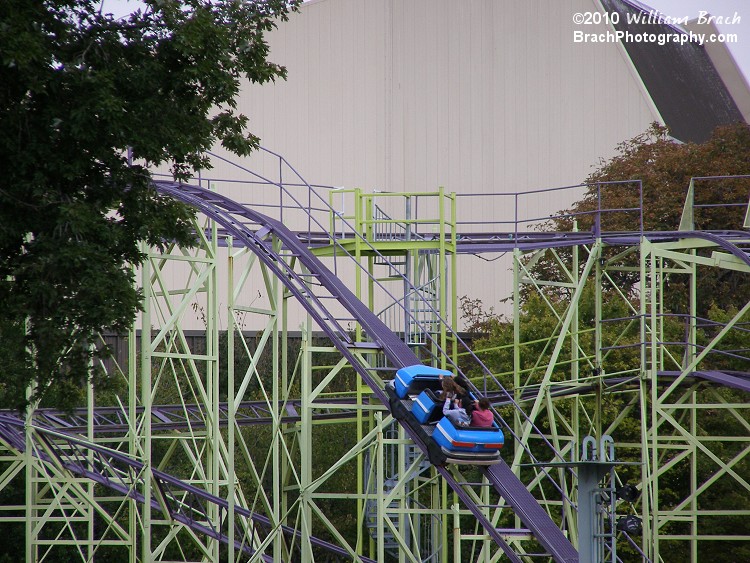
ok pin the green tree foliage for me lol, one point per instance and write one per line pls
(493, 337)
(77, 89)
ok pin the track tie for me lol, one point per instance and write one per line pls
(514, 531)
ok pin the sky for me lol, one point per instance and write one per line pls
(730, 10)
(725, 8)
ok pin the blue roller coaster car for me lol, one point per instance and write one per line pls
(479, 444)
(414, 398)
(414, 379)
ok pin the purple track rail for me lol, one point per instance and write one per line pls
(252, 229)
(735, 380)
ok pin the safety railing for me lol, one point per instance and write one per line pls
(615, 206)
(717, 203)
(392, 216)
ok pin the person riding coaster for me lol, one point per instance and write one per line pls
(465, 431)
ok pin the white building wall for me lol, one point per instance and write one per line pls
(479, 95)
(474, 95)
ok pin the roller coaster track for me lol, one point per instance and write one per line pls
(187, 504)
(113, 420)
(254, 230)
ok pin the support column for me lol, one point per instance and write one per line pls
(305, 440)
(232, 403)
(145, 384)
(132, 438)
(214, 438)
(31, 493)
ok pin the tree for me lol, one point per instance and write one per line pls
(79, 89)
(665, 168)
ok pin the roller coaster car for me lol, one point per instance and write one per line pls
(469, 444)
(419, 385)
(413, 380)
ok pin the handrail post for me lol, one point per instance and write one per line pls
(598, 216)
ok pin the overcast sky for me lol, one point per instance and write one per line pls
(724, 8)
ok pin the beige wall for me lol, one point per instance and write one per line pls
(473, 95)
(477, 95)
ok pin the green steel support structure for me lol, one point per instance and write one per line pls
(378, 497)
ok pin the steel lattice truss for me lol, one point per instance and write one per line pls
(199, 459)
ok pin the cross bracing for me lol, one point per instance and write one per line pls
(184, 414)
